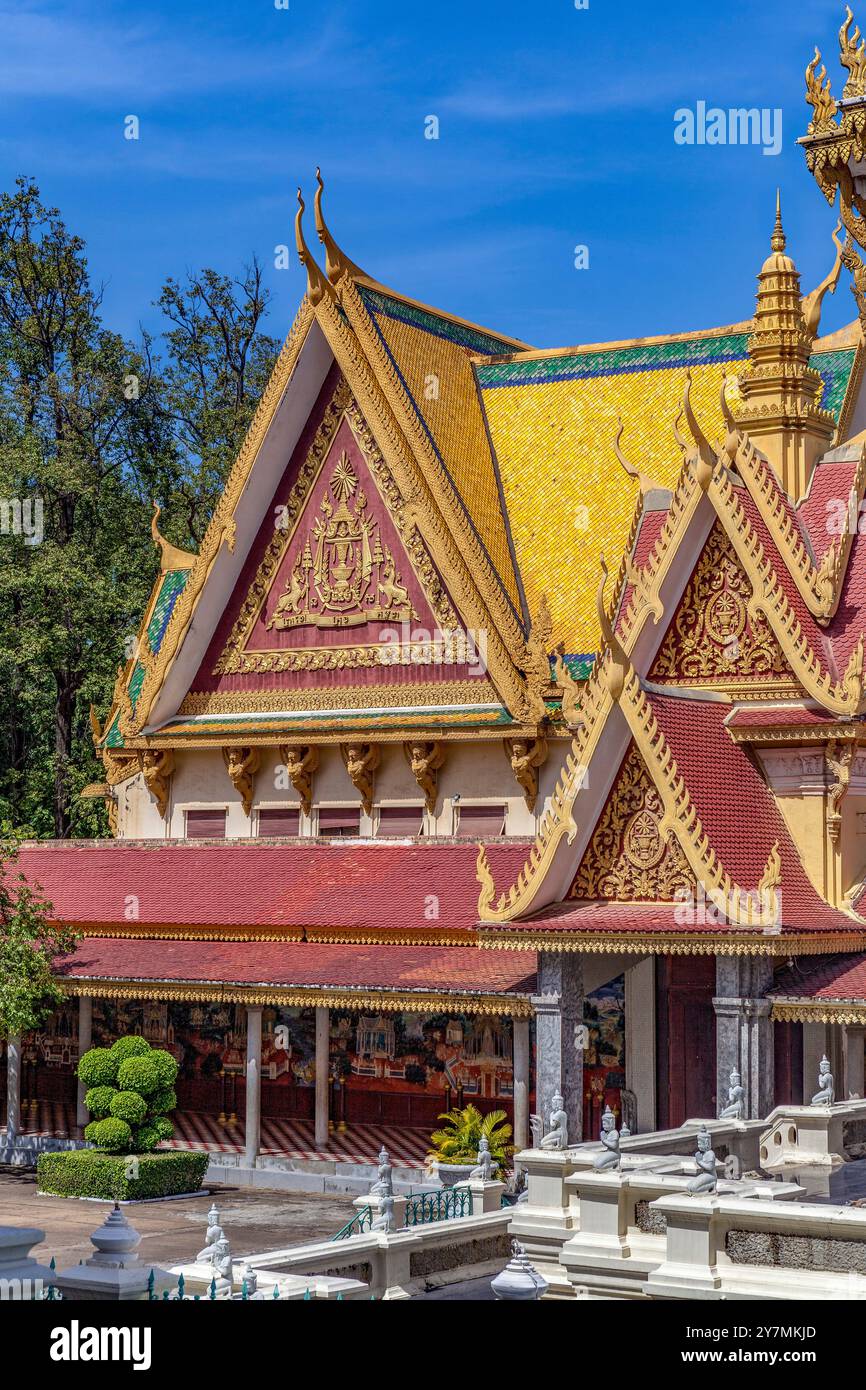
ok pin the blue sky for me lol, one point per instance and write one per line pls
(555, 130)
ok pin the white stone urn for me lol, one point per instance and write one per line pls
(451, 1173)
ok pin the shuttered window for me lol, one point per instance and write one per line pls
(480, 822)
(339, 820)
(206, 825)
(279, 821)
(404, 822)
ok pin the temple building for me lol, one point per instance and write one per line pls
(504, 734)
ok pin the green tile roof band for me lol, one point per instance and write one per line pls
(170, 590)
(475, 339)
(611, 361)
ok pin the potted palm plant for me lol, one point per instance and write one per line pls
(454, 1151)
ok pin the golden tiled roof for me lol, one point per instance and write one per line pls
(553, 420)
(433, 355)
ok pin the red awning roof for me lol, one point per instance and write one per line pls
(301, 965)
(643, 919)
(834, 978)
(780, 716)
(255, 884)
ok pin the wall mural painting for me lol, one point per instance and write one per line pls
(604, 1058)
(438, 1055)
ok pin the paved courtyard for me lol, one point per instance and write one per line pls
(173, 1231)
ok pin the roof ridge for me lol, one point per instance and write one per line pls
(819, 585)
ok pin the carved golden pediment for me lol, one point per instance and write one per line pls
(713, 636)
(630, 858)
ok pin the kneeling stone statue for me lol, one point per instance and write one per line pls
(611, 1157)
(706, 1180)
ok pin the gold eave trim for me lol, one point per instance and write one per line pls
(672, 943)
(391, 1001)
(314, 936)
(796, 733)
(818, 1011)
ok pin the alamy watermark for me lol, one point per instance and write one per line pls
(22, 518)
(736, 125)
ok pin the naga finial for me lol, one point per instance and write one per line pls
(852, 56)
(819, 95)
(812, 302)
(337, 263)
(615, 671)
(316, 282)
(171, 557)
(646, 484)
(706, 459)
(732, 437)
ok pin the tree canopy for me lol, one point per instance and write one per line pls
(93, 427)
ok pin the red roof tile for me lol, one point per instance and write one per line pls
(831, 483)
(238, 883)
(840, 977)
(737, 810)
(784, 716)
(459, 969)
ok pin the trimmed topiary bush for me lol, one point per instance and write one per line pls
(164, 1100)
(98, 1067)
(115, 1177)
(130, 1090)
(139, 1074)
(98, 1101)
(129, 1047)
(109, 1134)
(128, 1106)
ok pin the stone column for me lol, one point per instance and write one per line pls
(323, 1028)
(13, 1086)
(744, 1031)
(85, 1038)
(521, 1082)
(854, 1059)
(254, 1085)
(559, 1046)
(815, 1046)
(640, 1040)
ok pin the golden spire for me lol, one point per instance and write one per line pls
(316, 282)
(780, 392)
(777, 240)
(337, 263)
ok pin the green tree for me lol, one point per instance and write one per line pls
(30, 944)
(76, 437)
(214, 365)
(91, 429)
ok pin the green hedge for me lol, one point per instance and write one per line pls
(87, 1173)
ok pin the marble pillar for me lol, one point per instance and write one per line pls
(85, 1039)
(744, 1031)
(640, 1040)
(254, 1085)
(559, 1046)
(521, 1082)
(855, 1041)
(323, 1034)
(13, 1086)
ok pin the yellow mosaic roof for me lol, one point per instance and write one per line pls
(553, 421)
(438, 374)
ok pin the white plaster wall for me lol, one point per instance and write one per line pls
(479, 772)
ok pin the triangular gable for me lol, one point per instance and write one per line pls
(629, 857)
(338, 591)
(712, 639)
